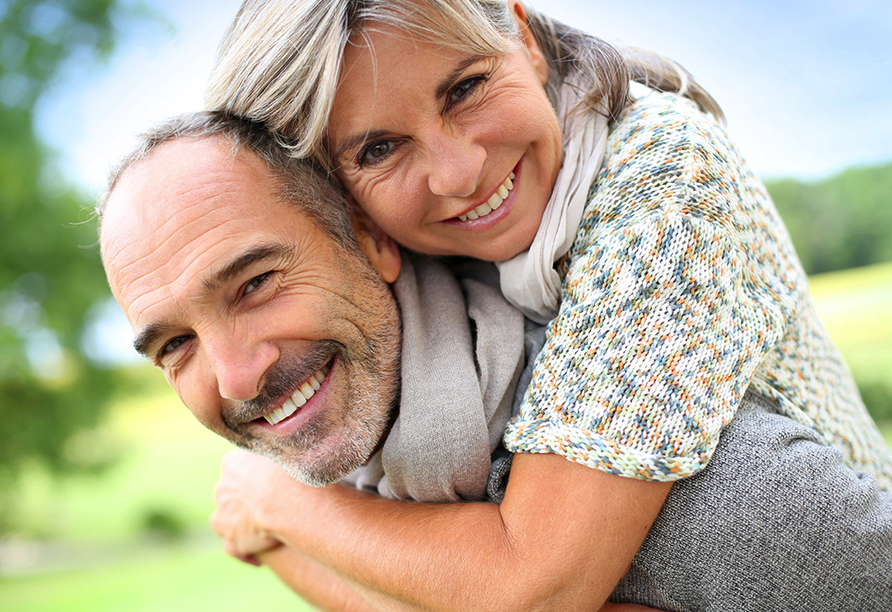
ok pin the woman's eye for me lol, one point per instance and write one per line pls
(255, 283)
(375, 152)
(465, 88)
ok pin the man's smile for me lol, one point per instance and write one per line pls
(299, 398)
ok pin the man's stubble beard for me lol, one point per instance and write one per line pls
(340, 438)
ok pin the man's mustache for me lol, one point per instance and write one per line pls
(281, 381)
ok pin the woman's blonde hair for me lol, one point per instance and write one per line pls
(280, 60)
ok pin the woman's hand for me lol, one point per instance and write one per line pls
(247, 481)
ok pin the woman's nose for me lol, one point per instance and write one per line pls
(455, 165)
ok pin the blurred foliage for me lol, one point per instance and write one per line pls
(50, 273)
(164, 523)
(877, 397)
(839, 223)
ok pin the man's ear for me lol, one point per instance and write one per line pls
(540, 64)
(382, 252)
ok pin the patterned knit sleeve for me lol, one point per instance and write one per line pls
(661, 325)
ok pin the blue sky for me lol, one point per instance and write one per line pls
(805, 85)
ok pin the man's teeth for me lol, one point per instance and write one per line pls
(494, 201)
(300, 397)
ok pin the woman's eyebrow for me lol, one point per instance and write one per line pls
(446, 83)
(358, 139)
(442, 89)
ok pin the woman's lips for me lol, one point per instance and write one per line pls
(503, 198)
(494, 202)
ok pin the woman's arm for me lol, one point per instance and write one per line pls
(314, 583)
(327, 592)
(563, 537)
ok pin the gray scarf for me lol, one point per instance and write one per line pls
(463, 351)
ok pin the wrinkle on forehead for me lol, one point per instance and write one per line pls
(163, 205)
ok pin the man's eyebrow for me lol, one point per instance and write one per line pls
(150, 333)
(442, 89)
(237, 265)
(148, 336)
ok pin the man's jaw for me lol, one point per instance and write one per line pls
(300, 396)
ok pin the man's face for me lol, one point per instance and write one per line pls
(242, 301)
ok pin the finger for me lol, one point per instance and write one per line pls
(250, 560)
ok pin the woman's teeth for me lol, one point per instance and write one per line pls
(494, 201)
(300, 397)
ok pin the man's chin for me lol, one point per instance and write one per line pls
(337, 442)
(315, 478)
(320, 467)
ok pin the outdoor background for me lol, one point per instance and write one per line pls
(105, 479)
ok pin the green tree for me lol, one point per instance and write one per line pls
(50, 273)
(841, 222)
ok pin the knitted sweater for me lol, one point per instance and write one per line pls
(681, 291)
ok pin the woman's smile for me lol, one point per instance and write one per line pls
(455, 157)
(493, 203)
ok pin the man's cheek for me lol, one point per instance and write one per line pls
(199, 398)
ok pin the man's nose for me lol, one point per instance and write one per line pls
(455, 163)
(240, 367)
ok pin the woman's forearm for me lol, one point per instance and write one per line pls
(314, 583)
(561, 540)
(325, 591)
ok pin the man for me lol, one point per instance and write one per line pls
(348, 342)
(336, 322)
(236, 267)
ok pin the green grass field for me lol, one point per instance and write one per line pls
(856, 308)
(177, 577)
(101, 563)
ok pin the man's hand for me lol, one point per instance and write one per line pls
(246, 481)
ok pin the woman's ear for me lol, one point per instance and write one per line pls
(382, 252)
(540, 64)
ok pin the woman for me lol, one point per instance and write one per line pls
(269, 72)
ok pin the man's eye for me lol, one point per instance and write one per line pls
(256, 282)
(174, 344)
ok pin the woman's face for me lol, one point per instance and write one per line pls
(450, 153)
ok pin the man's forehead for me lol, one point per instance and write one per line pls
(189, 201)
(176, 169)
(180, 179)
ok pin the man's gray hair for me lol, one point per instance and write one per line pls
(300, 182)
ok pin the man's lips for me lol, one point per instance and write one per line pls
(299, 397)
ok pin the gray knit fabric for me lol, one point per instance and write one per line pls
(463, 351)
(774, 522)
